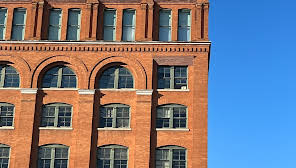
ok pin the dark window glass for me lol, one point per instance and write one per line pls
(56, 115)
(116, 78)
(128, 25)
(9, 77)
(4, 156)
(53, 156)
(109, 24)
(73, 28)
(112, 156)
(3, 20)
(59, 77)
(184, 25)
(6, 115)
(54, 25)
(171, 116)
(171, 157)
(165, 25)
(115, 116)
(18, 24)
(172, 77)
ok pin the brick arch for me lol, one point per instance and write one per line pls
(22, 67)
(74, 63)
(134, 66)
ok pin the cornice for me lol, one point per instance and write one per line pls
(41, 46)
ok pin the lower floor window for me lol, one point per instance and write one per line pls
(112, 156)
(171, 157)
(4, 155)
(53, 156)
(6, 114)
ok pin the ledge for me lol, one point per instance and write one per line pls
(118, 90)
(29, 90)
(114, 129)
(59, 89)
(86, 92)
(6, 128)
(56, 128)
(144, 92)
(10, 88)
(172, 129)
(173, 90)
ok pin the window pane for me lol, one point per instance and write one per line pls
(11, 78)
(65, 113)
(3, 16)
(107, 78)
(164, 33)
(128, 34)
(128, 27)
(125, 78)
(106, 117)
(6, 115)
(164, 77)
(55, 17)
(73, 30)
(109, 33)
(184, 34)
(18, 24)
(184, 22)
(53, 32)
(109, 25)
(129, 17)
(165, 25)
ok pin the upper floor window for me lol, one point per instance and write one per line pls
(6, 115)
(9, 77)
(53, 156)
(184, 25)
(4, 155)
(59, 77)
(112, 156)
(128, 25)
(54, 26)
(165, 25)
(172, 77)
(18, 24)
(109, 24)
(171, 157)
(116, 77)
(3, 18)
(171, 116)
(73, 28)
(56, 115)
(114, 116)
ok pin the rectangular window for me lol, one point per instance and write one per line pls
(184, 25)
(171, 116)
(172, 77)
(109, 24)
(165, 25)
(128, 25)
(3, 17)
(114, 116)
(73, 28)
(18, 24)
(54, 26)
(4, 156)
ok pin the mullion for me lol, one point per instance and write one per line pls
(56, 116)
(60, 75)
(116, 78)
(2, 76)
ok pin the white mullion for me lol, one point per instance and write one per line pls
(52, 157)
(2, 77)
(172, 78)
(171, 157)
(171, 113)
(116, 78)
(114, 117)
(112, 156)
(60, 74)
(56, 115)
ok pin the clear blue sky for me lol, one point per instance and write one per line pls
(252, 84)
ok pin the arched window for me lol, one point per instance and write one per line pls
(56, 115)
(114, 116)
(116, 77)
(4, 155)
(52, 156)
(171, 157)
(6, 114)
(9, 77)
(171, 116)
(59, 77)
(112, 156)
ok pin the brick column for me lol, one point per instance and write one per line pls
(9, 23)
(119, 24)
(87, 22)
(83, 128)
(32, 24)
(150, 22)
(175, 24)
(64, 25)
(39, 21)
(143, 128)
(24, 128)
(94, 21)
(205, 34)
(141, 23)
(198, 21)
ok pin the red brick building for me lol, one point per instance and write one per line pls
(103, 83)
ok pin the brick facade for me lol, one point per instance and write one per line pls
(33, 56)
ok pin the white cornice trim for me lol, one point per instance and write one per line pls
(29, 90)
(109, 43)
(86, 92)
(144, 92)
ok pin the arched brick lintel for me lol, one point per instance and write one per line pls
(21, 66)
(136, 68)
(74, 63)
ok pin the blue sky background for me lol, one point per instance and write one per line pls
(252, 84)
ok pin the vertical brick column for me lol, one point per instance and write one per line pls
(9, 23)
(64, 24)
(205, 21)
(87, 22)
(119, 24)
(39, 21)
(32, 21)
(24, 128)
(143, 128)
(83, 128)
(198, 21)
(94, 21)
(150, 22)
(175, 24)
(141, 21)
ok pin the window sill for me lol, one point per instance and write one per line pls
(10, 88)
(6, 128)
(114, 129)
(56, 128)
(117, 90)
(172, 129)
(173, 90)
(59, 89)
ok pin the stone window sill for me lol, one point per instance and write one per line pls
(173, 90)
(117, 90)
(172, 129)
(6, 128)
(56, 128)
(59, 89)
(114, 129)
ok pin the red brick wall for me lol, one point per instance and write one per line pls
(33, 58)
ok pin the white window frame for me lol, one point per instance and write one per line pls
(6, 146)
(60, 76)
(2, 76)
(170, 148)
(133, 27)
(23, 25)
(171, 116)
(110, 26)
(116, 77)
(114, 115)
(4, 10)
(186, 26)
(169, 27)
(59, 26)
(8, 104)
(112, 153)
(78, 26)
(53, 147)
(172, 77)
